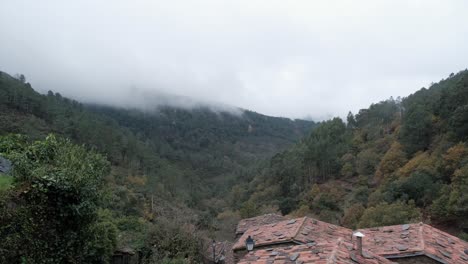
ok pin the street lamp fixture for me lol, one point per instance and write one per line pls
(214, 250)
(249, 243)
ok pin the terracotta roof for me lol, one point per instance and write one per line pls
(265, 219)
(308, 240)
(315, 230)
(229, 254)
(336, 252)
(299, 231)
(415, 239)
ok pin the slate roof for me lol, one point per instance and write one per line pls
(298, 231)
(307, 240)
(336, 252)
(415, 239)
(314, 231)
(265, 219)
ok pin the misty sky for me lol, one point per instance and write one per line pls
(287, 58)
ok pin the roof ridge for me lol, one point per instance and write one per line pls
(421, 236)
(299, 228)
(332, 258)
(435, 229)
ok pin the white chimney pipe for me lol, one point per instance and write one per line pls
(359, 237)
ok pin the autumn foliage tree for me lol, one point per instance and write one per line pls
(391, 161)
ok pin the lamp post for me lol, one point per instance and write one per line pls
(214, 250)
(249, 243)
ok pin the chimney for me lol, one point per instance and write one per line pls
(359, 237)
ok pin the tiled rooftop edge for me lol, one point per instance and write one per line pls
(401, 241)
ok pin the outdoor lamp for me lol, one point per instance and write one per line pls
(249, 243)
(214, 250)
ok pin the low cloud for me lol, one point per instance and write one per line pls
(286, 58)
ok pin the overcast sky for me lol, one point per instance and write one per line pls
(286, 58)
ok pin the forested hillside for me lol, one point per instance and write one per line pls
(170, 169)
(176, 177)
(402, 160)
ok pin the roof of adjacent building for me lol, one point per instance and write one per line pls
(415, 239)
(299, 231)
(308, 240)
(332, 252)
(265, 219)
(223, 251)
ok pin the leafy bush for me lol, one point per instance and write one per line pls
(51, 213)
(5, 182)
(352, 216)
(390, 214)
(167, 240)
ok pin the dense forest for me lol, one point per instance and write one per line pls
(400, 160)
(161, 181)
(168, 177)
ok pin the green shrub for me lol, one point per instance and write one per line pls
(390, 214)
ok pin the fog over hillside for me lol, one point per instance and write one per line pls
(312, 59)
(152, 100)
